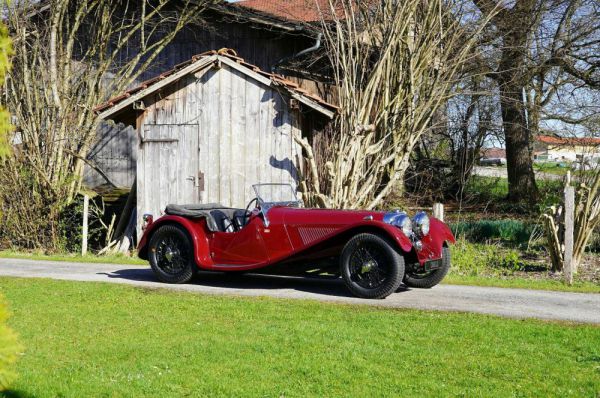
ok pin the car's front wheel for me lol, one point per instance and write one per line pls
(371, 267)
(171, 255)
(426, 280)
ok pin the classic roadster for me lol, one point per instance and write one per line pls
(374, 252)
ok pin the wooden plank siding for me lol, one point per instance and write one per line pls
(224, 124)
(114, 151)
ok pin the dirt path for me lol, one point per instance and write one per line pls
(513, 303)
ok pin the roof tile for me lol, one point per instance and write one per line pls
(555, 140)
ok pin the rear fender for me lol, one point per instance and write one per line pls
(196, 229)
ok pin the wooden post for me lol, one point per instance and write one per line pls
(569, 226)
(84, 234)
(438, 211)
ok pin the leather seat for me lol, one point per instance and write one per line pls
(223, 222)
(240, 219)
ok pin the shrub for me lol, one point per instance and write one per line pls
(506, 231)
(472, 259)
(8, 349)
(510, 261)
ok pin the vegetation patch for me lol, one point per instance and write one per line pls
(87, 339)
(498, 265)
(515, 232)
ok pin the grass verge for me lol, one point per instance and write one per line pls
(90, 258)
(521, 283)
(91, 339)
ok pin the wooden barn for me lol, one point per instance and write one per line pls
(211, 127)
(275, 36)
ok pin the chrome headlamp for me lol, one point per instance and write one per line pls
(401, 220)
(421, 223)
(147, 219)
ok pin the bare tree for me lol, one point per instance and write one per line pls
(540, 46)
(5, 126)
(472, 121)
(395, 64)
(69, 57)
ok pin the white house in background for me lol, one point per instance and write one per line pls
(552, 148)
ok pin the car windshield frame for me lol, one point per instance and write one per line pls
(266, 205)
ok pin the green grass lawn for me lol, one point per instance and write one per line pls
(89, 339)
(558, 168)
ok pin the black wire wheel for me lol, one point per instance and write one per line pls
(171, 255)
(429, 279)
(371, 267)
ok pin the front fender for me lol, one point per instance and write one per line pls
(378, 227)
(439, 235)
(398, 236)
(196, 229)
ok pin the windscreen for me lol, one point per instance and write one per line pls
(275, 193)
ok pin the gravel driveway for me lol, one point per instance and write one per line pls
(513, 303)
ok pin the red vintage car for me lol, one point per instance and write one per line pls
(374, 252)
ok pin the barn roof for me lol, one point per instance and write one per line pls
(206, 60)
(290, 10)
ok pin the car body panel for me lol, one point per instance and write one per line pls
(293, 233)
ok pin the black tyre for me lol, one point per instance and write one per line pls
(371, 267)
(429, 279)
(171, 255)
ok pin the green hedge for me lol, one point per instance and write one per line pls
(9, 349)
(506, 231)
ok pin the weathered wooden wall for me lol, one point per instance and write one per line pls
(115, 153)
(221, 123)
(260, 46)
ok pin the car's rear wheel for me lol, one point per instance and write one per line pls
(426, 280)
(371, 267)
(171, 255)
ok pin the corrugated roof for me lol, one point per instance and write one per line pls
(278, 80)
(290, 10)
(573, 141)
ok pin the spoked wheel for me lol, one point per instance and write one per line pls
(171, 255)
(371, 267)
(426, 280)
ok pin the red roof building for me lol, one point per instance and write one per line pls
(554, 148)
(569, 141)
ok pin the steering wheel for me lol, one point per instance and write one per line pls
(247, 211)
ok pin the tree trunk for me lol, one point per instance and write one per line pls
(512, 79)
(519, 161)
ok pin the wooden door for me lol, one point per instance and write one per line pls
(191, 176)
(168, 167)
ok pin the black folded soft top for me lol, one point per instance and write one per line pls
(206, 211)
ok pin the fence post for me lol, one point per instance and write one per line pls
(569, 226)
(438, 211)
(84, 234)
